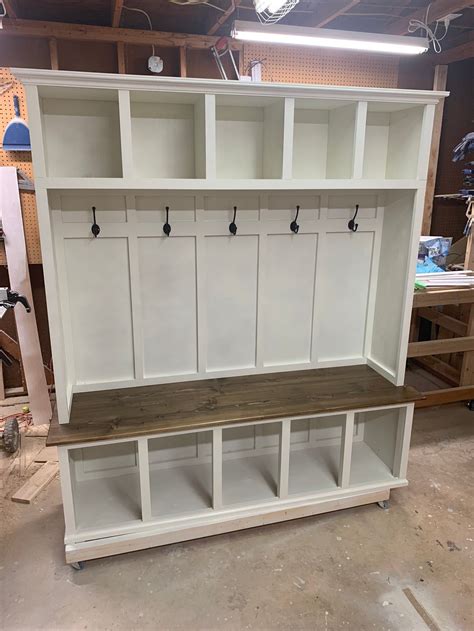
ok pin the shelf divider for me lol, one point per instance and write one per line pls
(288, 134)
(284, 458)
(125, 118)
(144, 470)
(346, 451)
(209, 118)
(402, 445)
(217, 468)
(359, 139)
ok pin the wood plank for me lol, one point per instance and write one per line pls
(183, 69)
(446, 321)
(89, 33)
(437, 347)
(53, 53)
(438, 297)
(438, 9)
(117, 6)
(10, 9)
(37, 482)
(223, 17)
(439, 83)
(121, 65)
(467, 366)
(446, 395)
(327, 12)
(15, 250)
(440, 369)
(47, 454)
(130, 412)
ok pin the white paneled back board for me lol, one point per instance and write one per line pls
(134, 306)
(142, 307)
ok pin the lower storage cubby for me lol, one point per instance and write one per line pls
(105, 484)
(374, 446)
(250, 463)
(180, 474)
(315, 447)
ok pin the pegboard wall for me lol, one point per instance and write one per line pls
(293, 64)
(20, 160)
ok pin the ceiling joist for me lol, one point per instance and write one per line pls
(222, 19)
(87, 33)
(331, 12)
(438, 10)
(10, 9)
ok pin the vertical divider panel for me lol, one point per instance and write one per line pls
(144, 471)
(284, 458)
(273, 135)
(425, 142)
(402, 445)
(261, 315)
(217, 468)
(288, 132)
(125, 117)
(36, 133)
(374, 272)
(66, 490)
(320, 254)
(137, 328)
(201, 286)
(346, 451)
(210, 137)
(359, 139)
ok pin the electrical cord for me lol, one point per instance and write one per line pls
(415, 25)
(147, 17)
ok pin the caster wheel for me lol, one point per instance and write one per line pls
(77, 565)
(470, 405)
(11, 435)
(385, 504)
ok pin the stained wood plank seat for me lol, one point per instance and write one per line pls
(190, 405)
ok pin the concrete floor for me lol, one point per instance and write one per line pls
(344, 570)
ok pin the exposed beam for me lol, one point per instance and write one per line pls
(10, 9)
(438, 9)
(117, 6)
(446, 395)
(183, 68)
(121, 65)
(81, 32)
(330, 12)
(223, 17)
(440, 347)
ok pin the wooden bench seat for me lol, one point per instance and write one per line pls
(131, 412)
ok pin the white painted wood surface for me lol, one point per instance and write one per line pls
(11, 219)
(134, 306)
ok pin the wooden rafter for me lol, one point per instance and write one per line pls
(81, 32)
(10, 9)
(117, 6)
(223, 17)
(438, 9)
(457, 52)
(331, 12)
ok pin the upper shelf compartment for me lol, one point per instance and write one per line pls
(249, 137)
(81, 133)
(168, 135)
(392, 141)
(324, 139)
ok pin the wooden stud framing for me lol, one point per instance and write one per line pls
(117, 6)
(438, 347)
(121, 63)
(445, 321)
(446, 395)
(467, 366)
(89, 33)
(223, 17)
(53, 53)
(439, 83)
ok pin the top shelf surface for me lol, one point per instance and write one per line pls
(100, 80)
(188, 406)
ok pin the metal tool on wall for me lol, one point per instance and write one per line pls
(17, 134)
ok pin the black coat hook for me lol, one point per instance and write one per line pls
(166, 226)
(352, 225)
(95, 228)
(294, 227)
(232, 225)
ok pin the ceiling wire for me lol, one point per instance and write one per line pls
(148, 19)
(415, 25)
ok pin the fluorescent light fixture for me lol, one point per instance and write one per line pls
(272, 6)
(329, 38)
